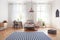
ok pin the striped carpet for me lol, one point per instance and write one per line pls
(28, 36)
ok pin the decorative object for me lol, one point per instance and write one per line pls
(28, 36)
(57, 13)
(31, 9)
(5, 23)
(43, 24)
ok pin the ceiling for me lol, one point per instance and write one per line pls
(37, 1)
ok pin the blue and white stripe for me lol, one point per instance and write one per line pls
(28, 36)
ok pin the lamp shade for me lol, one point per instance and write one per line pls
(31, 10)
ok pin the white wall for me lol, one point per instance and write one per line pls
(55, 20)
(3, 10)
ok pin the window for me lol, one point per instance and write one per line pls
(43, 12)
(17, 12)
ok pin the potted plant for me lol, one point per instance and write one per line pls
(43, 24)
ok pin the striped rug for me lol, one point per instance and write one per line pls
(28, 36)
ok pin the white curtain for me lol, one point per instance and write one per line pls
(18, 12)
(43, 13)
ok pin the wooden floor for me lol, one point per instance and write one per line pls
(5, 33)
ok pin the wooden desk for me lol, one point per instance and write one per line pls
(17, 25)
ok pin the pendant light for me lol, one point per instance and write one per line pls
(31, 9)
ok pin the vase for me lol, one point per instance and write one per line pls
(5, 25)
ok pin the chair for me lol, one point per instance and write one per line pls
(17, 24)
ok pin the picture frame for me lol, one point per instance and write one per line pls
(57, 13)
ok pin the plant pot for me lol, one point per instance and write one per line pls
(43, 26)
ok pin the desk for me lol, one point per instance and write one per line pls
(17, 24)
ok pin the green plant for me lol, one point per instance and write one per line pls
(43, 24)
